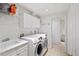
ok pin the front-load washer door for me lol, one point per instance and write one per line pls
(39, 49)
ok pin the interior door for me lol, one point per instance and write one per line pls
(56, 31)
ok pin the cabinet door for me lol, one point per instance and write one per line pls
(31, 21)
(9, 53)
(36, 23)
(22, 50)
(27, 20)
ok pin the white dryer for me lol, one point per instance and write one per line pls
(35, 45)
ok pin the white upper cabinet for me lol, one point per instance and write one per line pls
(31, 21)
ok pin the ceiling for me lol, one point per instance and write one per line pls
(47, 8)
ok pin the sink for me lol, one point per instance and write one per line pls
(8, 44)
(11, 44)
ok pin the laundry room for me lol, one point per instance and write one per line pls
(39, 29)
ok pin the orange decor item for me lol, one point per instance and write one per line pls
(12, 9)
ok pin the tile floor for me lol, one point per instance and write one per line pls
(57, 50)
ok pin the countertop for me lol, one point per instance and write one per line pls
(14, 45)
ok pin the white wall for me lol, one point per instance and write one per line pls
(8, 26)
(13, 26)
(46, 28)
(73, 30)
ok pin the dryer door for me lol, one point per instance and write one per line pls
(39, 49)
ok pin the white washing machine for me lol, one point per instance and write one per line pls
(37, 44)
(45, 42)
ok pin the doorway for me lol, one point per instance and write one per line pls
(56, 31)
(58, 43)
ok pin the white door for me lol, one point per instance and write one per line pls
(77, 29)
(56, 31)
(73, 30)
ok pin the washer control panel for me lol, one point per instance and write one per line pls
(40, 38)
